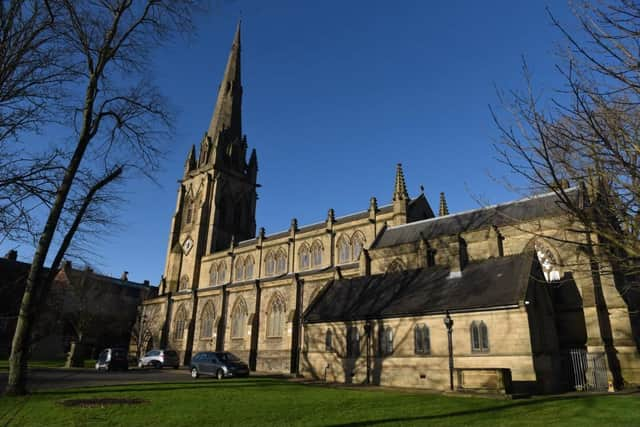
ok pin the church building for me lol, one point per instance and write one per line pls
(397, 294)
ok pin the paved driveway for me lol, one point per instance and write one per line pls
(49, 378)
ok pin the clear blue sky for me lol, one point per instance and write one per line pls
(335, 94)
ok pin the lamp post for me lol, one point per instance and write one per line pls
(448, 322)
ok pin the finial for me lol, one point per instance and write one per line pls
(294, 224)
(400, 190)
(421, 189)
(444, 209)
(331, 215)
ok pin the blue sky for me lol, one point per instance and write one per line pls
(335, 94)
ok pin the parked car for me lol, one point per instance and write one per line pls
(219, 364)
(159, 359)
(111, 359)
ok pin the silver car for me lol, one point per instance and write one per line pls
(220, 364)
(159, 359)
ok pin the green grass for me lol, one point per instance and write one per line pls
(53, 363)
(264, 401)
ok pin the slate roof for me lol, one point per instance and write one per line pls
(520, 210)
(496, 282)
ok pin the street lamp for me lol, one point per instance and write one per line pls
(448, 322)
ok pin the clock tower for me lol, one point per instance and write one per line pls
(217, 195)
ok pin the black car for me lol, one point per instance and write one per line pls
(219, 364)
(111, 359)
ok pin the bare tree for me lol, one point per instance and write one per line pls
(588, 134)
(118, 119)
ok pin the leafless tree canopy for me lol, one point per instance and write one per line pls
(588, 134)
(116, 117)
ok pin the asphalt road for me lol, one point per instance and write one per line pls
(55, 378)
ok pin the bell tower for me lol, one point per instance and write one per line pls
(217, 195)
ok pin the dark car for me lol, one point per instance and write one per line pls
(219, 364)
(159, 359)
(111, 359)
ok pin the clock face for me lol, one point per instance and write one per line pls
(187, 245)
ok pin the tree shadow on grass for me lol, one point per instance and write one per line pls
(149, 387)
(479, 411)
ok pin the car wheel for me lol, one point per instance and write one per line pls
(176, 367)
(194, 373)
(219, 374)
(156, 364)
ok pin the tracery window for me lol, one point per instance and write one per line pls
(304, 257)
(180, 323)
(248, 267)
(547, 260)
(479, 337)
(395, 267)
(222, 273)
(270, 264)
(281, 262)
(328, 341)
(344, 250)
(276, 317)
(239, 317)
(316, 254)
(206, 320)
(239, 270)
(386, 341)
(357, 241)
(422, 340)
(353, 342)
(188, 216)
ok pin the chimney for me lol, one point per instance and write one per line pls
(12, 255)
(125, 276)
(146, 283)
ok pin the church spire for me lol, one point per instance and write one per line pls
(400, 188)
(190, 164)
(227, 112)
(444, 209)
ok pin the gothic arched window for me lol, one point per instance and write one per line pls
(281, 262)
(357, 242)
(548, 260)
(479, 337)
(353, 342)
(276, 317)
(270, 264)
(344, 250)
(207, 318)
(180, 323)
(222, 273)
(239, 319)
(304, 257)
(422, 341)
(213, 275)
(239, 270)
(395, 267)
(248, 267)
(316, 254)
(328, 341)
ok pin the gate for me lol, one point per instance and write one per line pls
(588, 370)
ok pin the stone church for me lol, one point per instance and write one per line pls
(488, 299)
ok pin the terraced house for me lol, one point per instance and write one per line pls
(489, 299)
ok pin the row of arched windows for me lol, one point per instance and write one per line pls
(310, 256)
(218, 273)
(421, 337)
(244, 268)
(275, 263)
(276, 317)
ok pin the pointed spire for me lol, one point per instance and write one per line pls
(227, 112)
(400, 189)
(190, 164)
(444, 209)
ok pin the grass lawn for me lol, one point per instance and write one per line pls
(264, 401)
